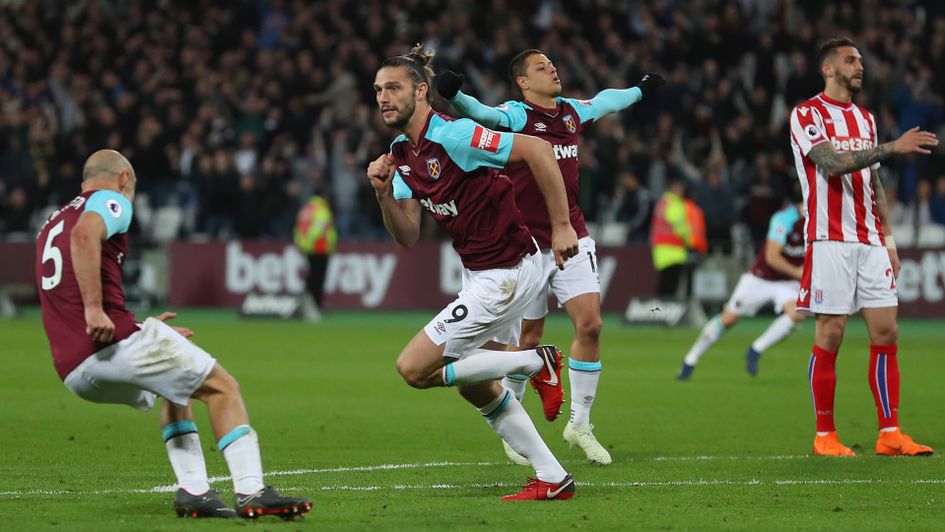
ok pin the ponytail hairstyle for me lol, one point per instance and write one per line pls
(416, 62)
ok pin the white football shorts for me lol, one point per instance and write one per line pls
(155, 361)
(752, 292)
(489, 307)
(578, 277)
(844, 277)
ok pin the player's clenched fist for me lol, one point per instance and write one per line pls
(99, 326)
(380, 172)
(564, 242)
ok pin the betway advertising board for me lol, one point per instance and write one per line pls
(381, 276)
(429, 275)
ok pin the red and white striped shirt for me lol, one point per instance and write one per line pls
(838, 207)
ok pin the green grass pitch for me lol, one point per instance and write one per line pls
(336, 423)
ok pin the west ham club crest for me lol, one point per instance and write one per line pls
(433, 167)
(569, 123)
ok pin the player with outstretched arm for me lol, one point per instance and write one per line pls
(544, 113)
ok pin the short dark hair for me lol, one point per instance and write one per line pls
(517, 64)
(827, 49)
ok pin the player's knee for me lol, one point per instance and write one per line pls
(588, 330)
(886, 334)
(414, 376)
(219, 381)
(831, 337)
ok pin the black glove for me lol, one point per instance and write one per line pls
(448, 83)
(650, 83)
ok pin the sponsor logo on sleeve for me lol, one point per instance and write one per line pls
(114, 208)
(584, 102)
(485, 139)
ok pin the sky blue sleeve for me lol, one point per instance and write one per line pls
(472, 146)
(780, 226)
(607, 101)
(114, 209)
(509, 115)
(401, 190)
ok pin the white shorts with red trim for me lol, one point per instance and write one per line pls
(489, 307)
(752, 292)
(844, 277)
(155, 361)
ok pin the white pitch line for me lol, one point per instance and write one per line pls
(169, 488)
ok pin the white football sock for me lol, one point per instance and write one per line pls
(507, 417)
(710, 334)
(240, 447)
(584, 377)
(779, 329)
(517, 383)
(481, 365)
(186, 456)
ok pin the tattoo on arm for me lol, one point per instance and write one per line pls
(879, 197)
(839, 163)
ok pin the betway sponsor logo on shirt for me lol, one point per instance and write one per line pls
(565, 152)
(443, 209)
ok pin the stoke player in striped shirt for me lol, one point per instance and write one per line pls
(851, 261)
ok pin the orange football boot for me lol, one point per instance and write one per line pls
(829, 445)
(895, 443)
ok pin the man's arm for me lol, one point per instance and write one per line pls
(882, 209)
(401, 217)
(470, 107)
(540, 158)
(839, 163)
(85, 244)
(778, 263)
(448, 84)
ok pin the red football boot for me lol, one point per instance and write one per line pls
(547, 382)
(537, 490)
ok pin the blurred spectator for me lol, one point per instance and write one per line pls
(717, 201)
(217, 101)
(919, 213)
(634, 206)
(937, 201)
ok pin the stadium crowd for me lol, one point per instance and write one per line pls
(236, 112)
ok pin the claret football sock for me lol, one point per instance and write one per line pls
(510, 421)
(884, 383)
(517, 382)
(822, 373)
(710, 334)
(481, 365)
(240, 448)
(584, 377)
(186, 456)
